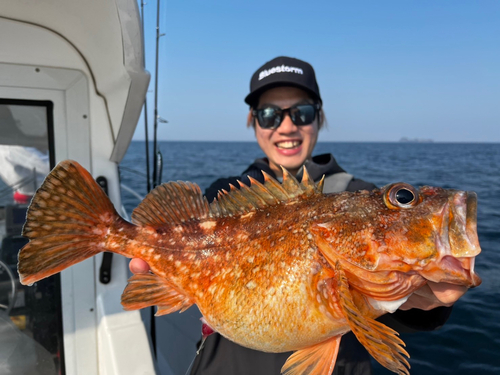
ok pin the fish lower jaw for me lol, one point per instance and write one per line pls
(468, 268)
(452, 270)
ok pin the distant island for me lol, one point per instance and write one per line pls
(416, 140)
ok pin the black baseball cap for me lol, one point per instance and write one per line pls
(283, 71)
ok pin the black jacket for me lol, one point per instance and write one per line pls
(220, 356)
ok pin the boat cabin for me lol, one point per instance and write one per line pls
(72, 86)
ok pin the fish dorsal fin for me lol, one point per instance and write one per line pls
(178, 202)
(258, 195)
(379, 340)
(172, 203)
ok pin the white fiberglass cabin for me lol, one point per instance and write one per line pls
(72, 84)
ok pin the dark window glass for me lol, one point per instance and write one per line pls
(31, 340)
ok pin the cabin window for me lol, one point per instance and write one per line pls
(31, 340)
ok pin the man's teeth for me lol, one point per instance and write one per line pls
(288, 144)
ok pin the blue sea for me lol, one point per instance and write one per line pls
(470, 341)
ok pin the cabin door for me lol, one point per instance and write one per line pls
(44, 118)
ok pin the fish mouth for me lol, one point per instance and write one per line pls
(458, 271)
(458, 243)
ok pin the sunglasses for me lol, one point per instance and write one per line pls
(271, 117)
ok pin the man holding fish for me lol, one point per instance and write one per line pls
(286, 114)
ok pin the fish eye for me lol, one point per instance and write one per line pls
(401, 195)
(404, 196)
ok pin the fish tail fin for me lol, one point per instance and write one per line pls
(66, 222)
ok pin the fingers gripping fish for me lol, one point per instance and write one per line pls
(273, 267)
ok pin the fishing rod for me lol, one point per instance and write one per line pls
(157, 154)
(146, 135)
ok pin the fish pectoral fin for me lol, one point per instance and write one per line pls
(144, 290)
(379, 340)
(318, 359)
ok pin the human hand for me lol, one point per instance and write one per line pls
(433, 295)
(137, 265)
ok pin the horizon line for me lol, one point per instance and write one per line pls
(340, 141)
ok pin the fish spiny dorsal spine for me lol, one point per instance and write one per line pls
(228, 204)
(253, 196)
(291, 185)
(320, 185)
(275, 188)
(257, 196)
(262, 192)
(308, 184)
(243, 198)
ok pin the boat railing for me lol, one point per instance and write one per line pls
(12, 300)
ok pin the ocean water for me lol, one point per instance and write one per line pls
(469, 343)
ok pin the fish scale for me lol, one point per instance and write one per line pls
(273, 267)
(276, 269)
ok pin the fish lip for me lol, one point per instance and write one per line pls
(471, 235)
(462, 225)
(458, 242)
(471, 220)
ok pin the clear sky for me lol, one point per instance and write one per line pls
(387, 69)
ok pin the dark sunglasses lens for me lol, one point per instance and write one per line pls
(269, 117)
(303, 114)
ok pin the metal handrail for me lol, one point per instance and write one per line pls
(14, 290)
(131, 191)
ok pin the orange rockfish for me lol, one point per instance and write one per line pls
(273, 267)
